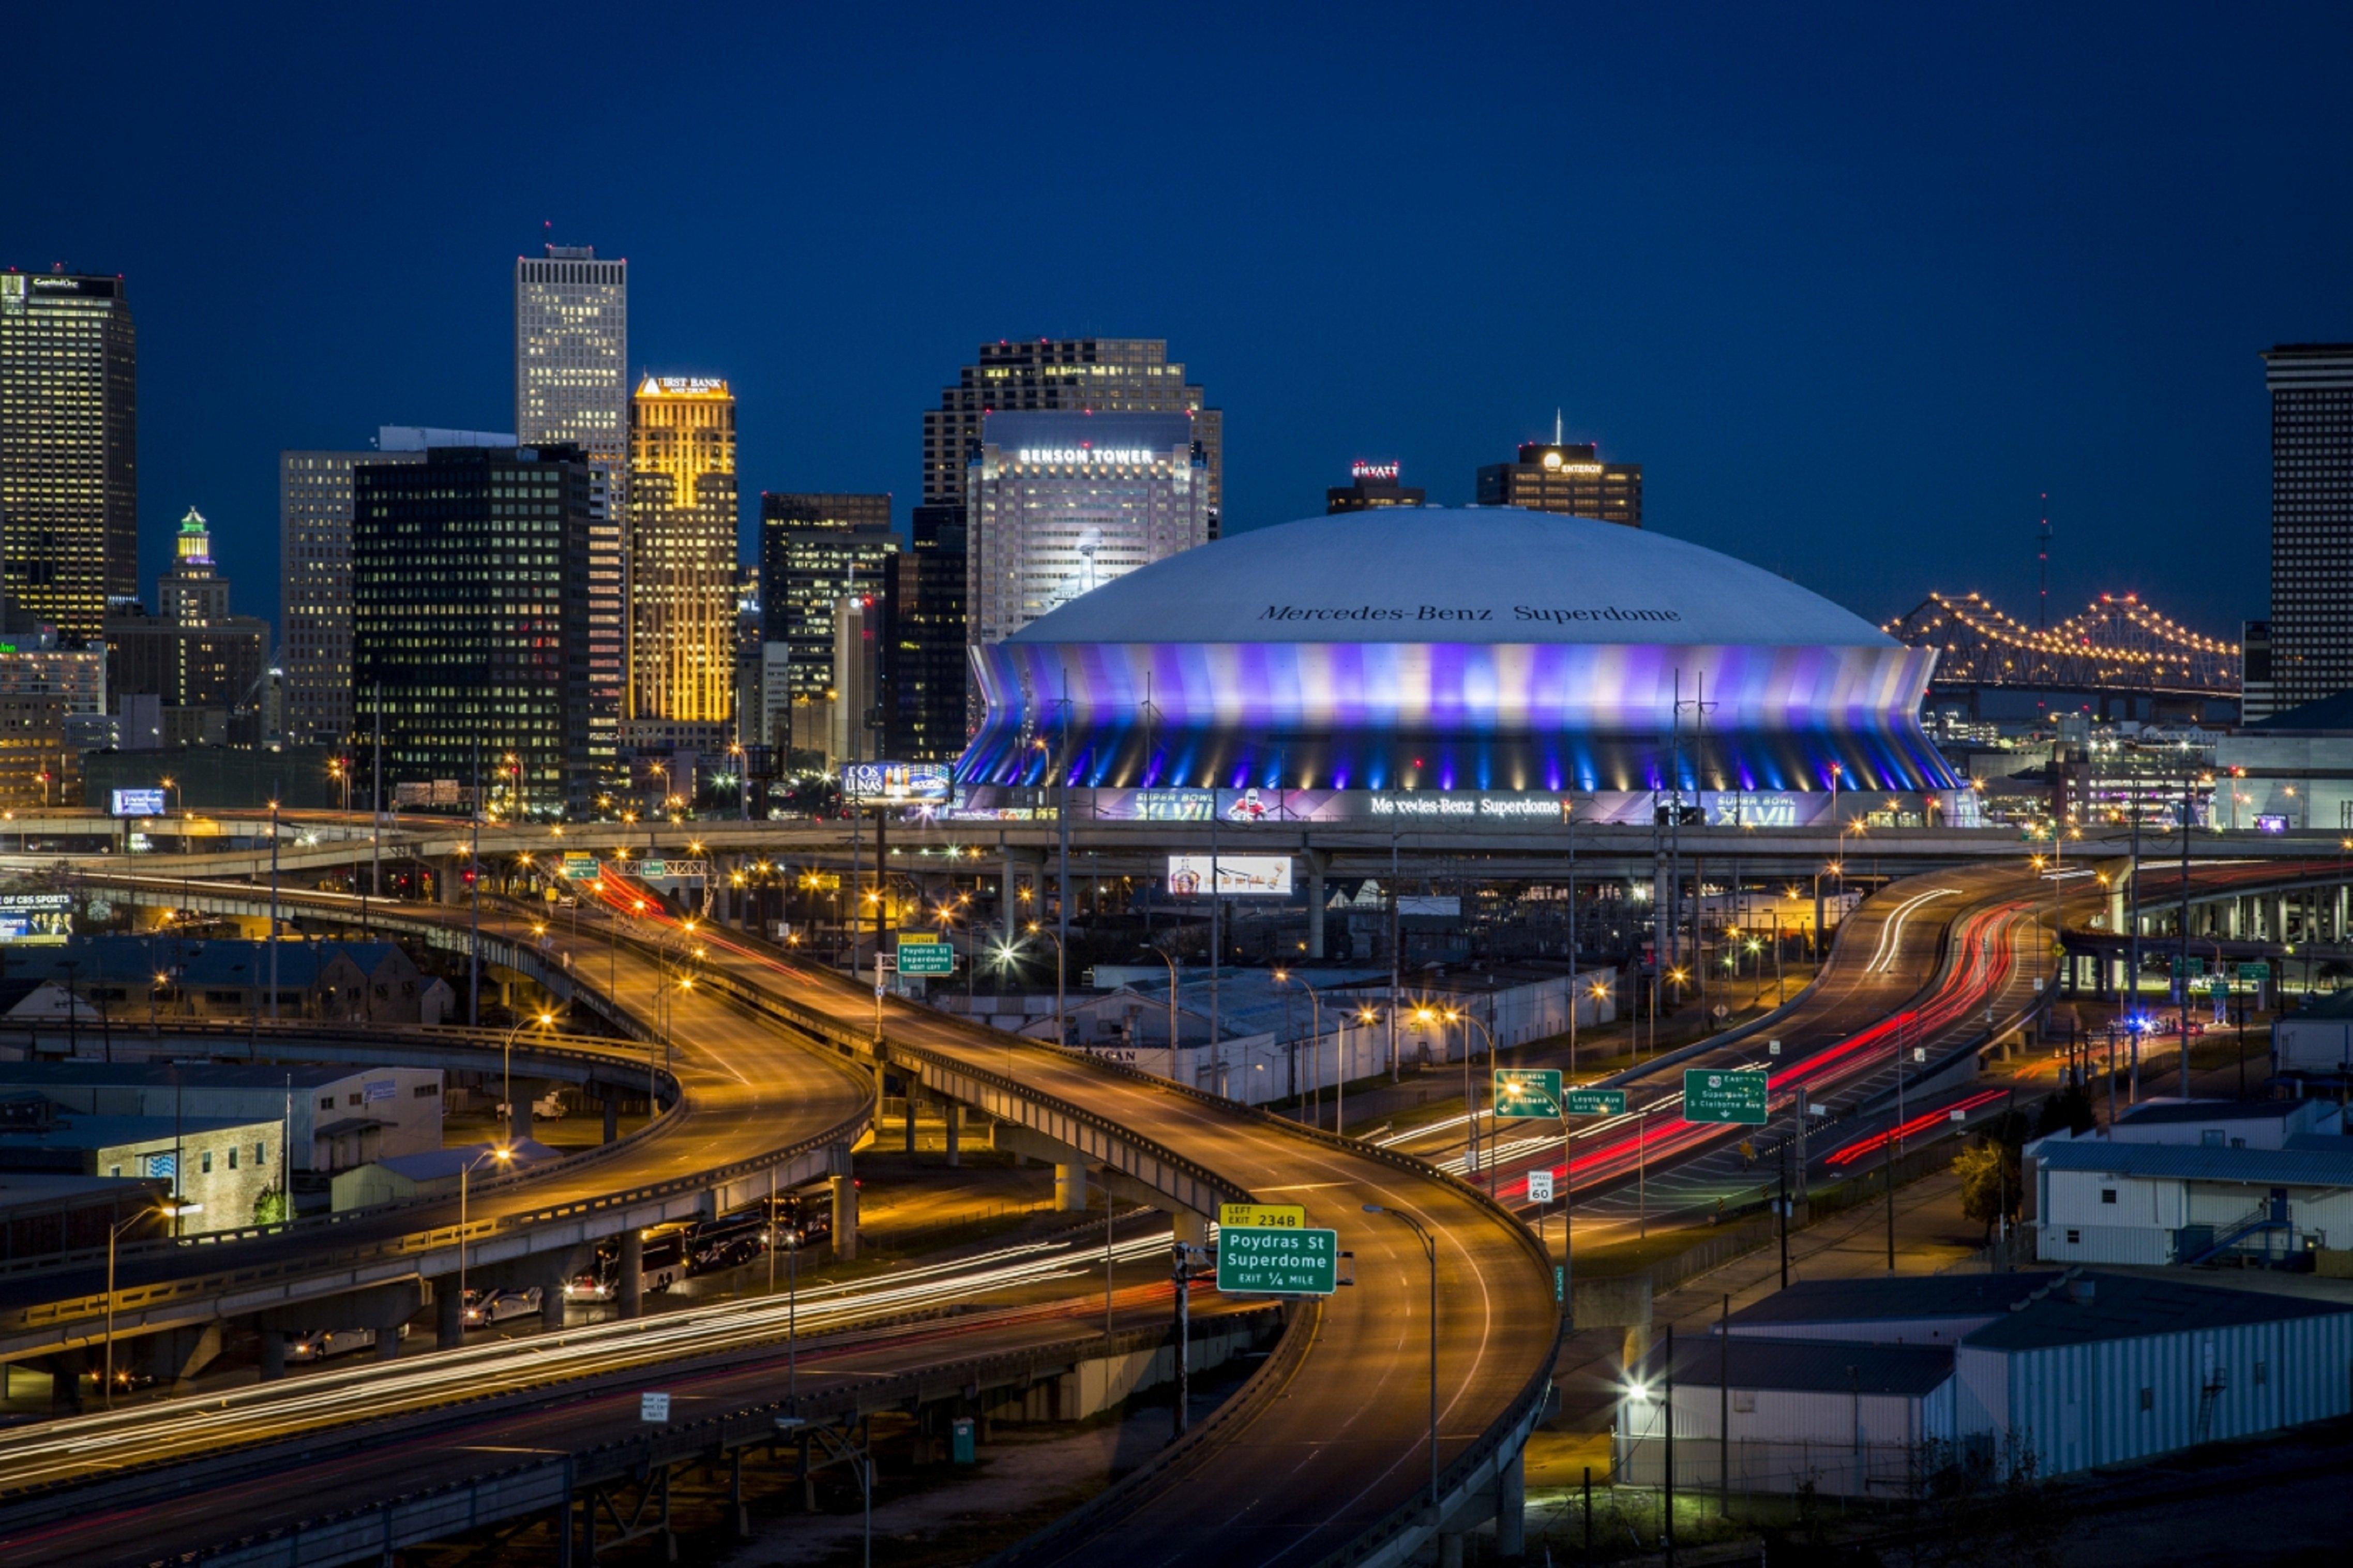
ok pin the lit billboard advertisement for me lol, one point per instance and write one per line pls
(898, 781)
(138, 803)
(1266, 875)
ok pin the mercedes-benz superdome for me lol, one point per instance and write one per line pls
(1428, 648)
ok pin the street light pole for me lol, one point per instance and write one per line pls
(174, 1210)
(1062, 1027)
(1430, 1252)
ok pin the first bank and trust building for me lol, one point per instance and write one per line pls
(1339, 662)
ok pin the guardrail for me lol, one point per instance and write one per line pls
(421, 1243)
(508, 1491)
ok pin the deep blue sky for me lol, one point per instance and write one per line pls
(1857, 286)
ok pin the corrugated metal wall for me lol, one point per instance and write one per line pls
(2113, 1400)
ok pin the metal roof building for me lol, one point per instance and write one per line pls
(1839, 1382)
(2104, 1201)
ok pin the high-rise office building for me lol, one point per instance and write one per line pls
(925, 698)
(2311, 387)
(860, 639)
(192, 652)
(1571, 479)
(471, 623)
(1060, 503)
(681, 556)
(314, 557)
(1372, 485)
(69, 449)
(572, 386)
(815, 550)
(1104, 375)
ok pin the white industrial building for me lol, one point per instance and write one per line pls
(2316, 1041)
(2189, 1183)
(2064, 1371)
(334, 1117)
(1272, 1043)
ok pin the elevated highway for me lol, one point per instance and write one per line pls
(1343, 1454)
(748, 1098)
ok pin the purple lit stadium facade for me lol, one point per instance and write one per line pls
(1427, 648)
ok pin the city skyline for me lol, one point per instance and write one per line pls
(1857, 334)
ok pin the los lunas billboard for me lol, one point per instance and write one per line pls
(897, 781)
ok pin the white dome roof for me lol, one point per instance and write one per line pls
(1467, 574)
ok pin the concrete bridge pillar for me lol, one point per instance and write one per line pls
(845, 1218)
(1070, 1186)
(273, 1355)
(910, 1103)
(448, 1313)
(953, 1112)
(1191, 1226)
(66, 1370)
(629, 1284)
(612, 1119)
(1511, 1508)
(1318, 862)
(523, 1091)
(1450, 1549)
(845, 1205)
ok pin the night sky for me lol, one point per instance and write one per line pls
(1857, 286)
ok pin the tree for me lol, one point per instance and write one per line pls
(269, 1207)
(1989, 1173)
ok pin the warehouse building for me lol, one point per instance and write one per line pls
(2109, 1201)
(2059, 1371)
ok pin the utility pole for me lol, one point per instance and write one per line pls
(474, 914)
(2181, 966)
(376, 808)
(273, 903)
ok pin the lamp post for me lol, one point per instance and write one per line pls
(1430, 1252)
(502, 1155)
(506, 1062)
(1171, 962)
(172, 1211)
(1315, 1045)
(1061, 1029)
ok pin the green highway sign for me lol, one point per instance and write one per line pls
(1527, 1092)
(1257, 1261)
(578, 867)
(1596, 1102)
(2196, 965)
(926, 955)
(1710, 1095)
(649, 869)
(2260, 969)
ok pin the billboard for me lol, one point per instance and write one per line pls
(42, 918)
(1266, 875)
(898, 781)
(138, 803)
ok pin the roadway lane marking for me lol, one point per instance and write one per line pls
(1891, 930)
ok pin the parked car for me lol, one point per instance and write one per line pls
(485, 1308)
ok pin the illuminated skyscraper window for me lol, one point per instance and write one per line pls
(681, 552)
(69, 449)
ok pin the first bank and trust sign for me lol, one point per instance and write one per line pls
(1527, 613)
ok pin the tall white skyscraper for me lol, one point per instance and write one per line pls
(1059, 503)
(572, 352)
(572, 385)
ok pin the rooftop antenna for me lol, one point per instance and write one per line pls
(1555, 427)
